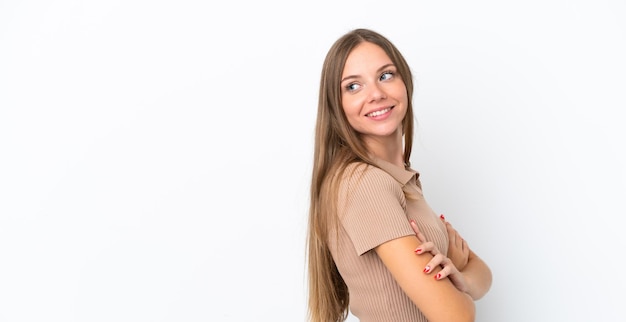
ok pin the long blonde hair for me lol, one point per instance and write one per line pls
(337, 145)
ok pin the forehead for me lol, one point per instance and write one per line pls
(364, 57)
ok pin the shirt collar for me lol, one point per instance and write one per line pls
(402, 175)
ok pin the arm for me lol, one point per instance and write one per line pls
(439, 300)
(475, 271)
(465, 269)
(477, 276)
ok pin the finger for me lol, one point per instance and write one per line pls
(436, 261)
(427, 247)
(451, 234)
(417, 231)
(458, 280)
(444, 272)
(454, 236)
(449, 227)
(458, 239)
(414, 226)
(466, 253)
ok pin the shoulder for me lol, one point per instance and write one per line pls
(363, 178)
(358, 171)
(371, 207)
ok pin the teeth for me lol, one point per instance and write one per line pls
(377, 113)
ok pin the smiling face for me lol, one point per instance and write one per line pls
(373, 95)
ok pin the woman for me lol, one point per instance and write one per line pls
(374, 244)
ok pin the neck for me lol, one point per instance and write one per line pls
(389, 148)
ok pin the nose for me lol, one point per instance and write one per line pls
(376, 93)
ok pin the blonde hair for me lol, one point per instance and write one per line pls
(337, 145)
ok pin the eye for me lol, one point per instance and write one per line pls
(352, 87)
(386, 75)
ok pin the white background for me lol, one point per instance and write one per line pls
(155, 156)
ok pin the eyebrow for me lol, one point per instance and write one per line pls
(356, 76)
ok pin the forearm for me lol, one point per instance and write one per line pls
(478, 276)
(438, 300)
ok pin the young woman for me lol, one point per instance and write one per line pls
(375, 247)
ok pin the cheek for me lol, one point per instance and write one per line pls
(400, 93)
(346, 104)
(351, 110)
(351, 104)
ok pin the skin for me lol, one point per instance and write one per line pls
(369, 84)
(468, 272)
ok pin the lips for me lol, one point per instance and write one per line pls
(379, 112)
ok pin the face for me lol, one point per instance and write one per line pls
(373, 95)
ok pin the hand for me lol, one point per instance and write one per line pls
(458, 250)
(448, 267)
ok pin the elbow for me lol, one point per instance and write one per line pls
(479, 283)
(488, 279)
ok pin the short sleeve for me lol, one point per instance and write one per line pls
(372, 208)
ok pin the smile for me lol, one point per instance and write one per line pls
(378, 113)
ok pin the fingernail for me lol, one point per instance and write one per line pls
(438, 276)
(442, 217)
(412, 221)
(427, 269)
(418, 251)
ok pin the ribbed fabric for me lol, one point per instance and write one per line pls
(372, 210)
